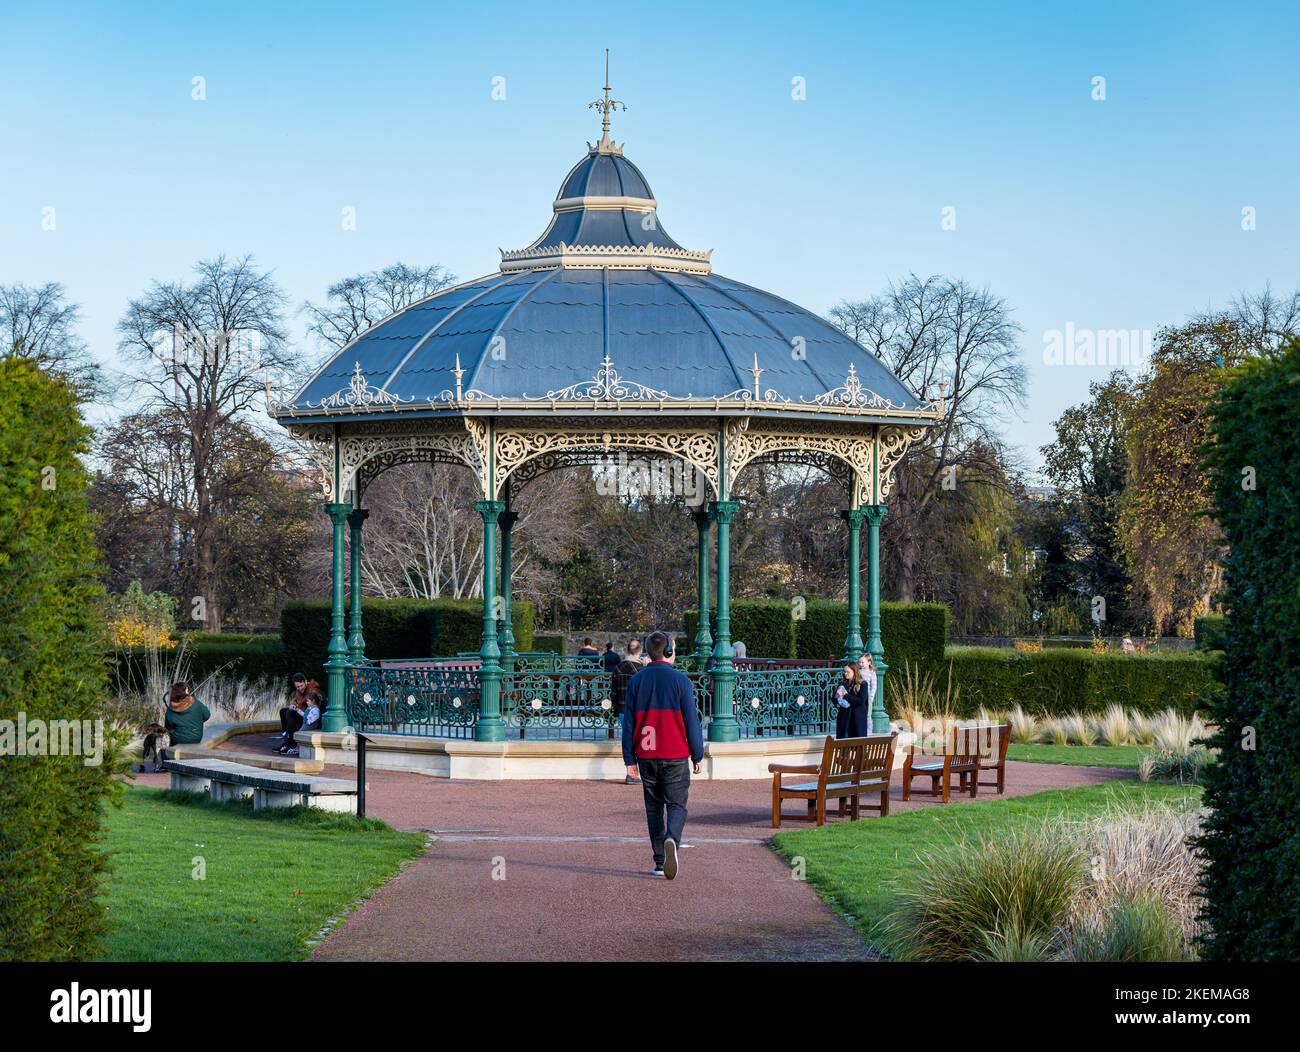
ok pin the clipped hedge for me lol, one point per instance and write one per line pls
(52, 673)
(1210, 632)
(554, 642)
(245, 656)
(763, 625)
(915, 633)
(1057, 682)
(395, 628)
(1251, 881)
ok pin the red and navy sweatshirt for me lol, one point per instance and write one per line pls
(660, 720)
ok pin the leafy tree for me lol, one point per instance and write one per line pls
(1252, 835)
(1088, 463)
(51, 669)
(1173, 545)
(259, 517)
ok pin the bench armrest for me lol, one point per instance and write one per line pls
(787, 768)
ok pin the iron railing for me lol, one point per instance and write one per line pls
(548, 697)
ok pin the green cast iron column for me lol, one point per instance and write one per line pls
(875, 516)
(506, 521)
(490, 727)
(336, 717)
(356, 638)
(703, 637)
(723, 726)
(853, 640)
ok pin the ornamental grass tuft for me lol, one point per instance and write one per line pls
(990, 896)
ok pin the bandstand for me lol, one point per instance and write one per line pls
(603, 338)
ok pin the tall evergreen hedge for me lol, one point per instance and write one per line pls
(1252, 839)
(763, 625)
(395, 628)
(1064, 680)
(1210, 631)
(52, 668)
(913, 633)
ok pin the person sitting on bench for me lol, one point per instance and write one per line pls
(306, 718)
(182, 725)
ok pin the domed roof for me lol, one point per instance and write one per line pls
(604, 310)
(544, 335)
(605, 175)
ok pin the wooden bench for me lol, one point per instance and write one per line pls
(226, 780)
(850, 768)
(965, 750)
(994, 739)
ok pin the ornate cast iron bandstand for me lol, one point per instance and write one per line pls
(602, 338)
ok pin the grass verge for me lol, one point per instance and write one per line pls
(194, 880)
(861, 868)
(1080, 755)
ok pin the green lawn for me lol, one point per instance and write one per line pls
(273, 878)
(1080, 755)
(861, 868)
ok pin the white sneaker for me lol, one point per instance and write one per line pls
(658, 871)
(670, 859)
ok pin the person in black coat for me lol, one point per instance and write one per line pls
(853, 715)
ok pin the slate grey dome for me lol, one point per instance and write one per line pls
(605, 175)
(604, 306)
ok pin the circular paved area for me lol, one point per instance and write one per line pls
(546, 870)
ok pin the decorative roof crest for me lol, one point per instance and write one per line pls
(605, 105)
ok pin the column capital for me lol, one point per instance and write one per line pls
(357, 516)
(702, 518)
(490, 509)
(338, 513)
(855, 517)
(723, 510)
(875, 513)
(507, 519)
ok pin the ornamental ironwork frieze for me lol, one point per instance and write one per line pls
(517, 446)
(748, 440)
(364, 454)
(894, 442)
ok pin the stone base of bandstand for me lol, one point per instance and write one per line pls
(524, 760)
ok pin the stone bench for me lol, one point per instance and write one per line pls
(226, 780)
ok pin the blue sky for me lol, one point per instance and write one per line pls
(1116, 214)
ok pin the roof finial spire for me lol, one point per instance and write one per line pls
(605, 105)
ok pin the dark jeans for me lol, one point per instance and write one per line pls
(665, 784)
(290, 721)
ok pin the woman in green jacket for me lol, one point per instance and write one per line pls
(186, 716)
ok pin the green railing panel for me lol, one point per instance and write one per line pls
(554, 698)
(786, 702)
(422, 702)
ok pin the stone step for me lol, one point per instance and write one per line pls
(268, 760)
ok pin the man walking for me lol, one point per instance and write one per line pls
(662, 740)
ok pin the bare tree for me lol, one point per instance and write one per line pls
(359, 302)
(1265, 319)
(205, 348)
(931, 332)
(38, 323)
(424, 540)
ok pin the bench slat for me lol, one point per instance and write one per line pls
(260, 777)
